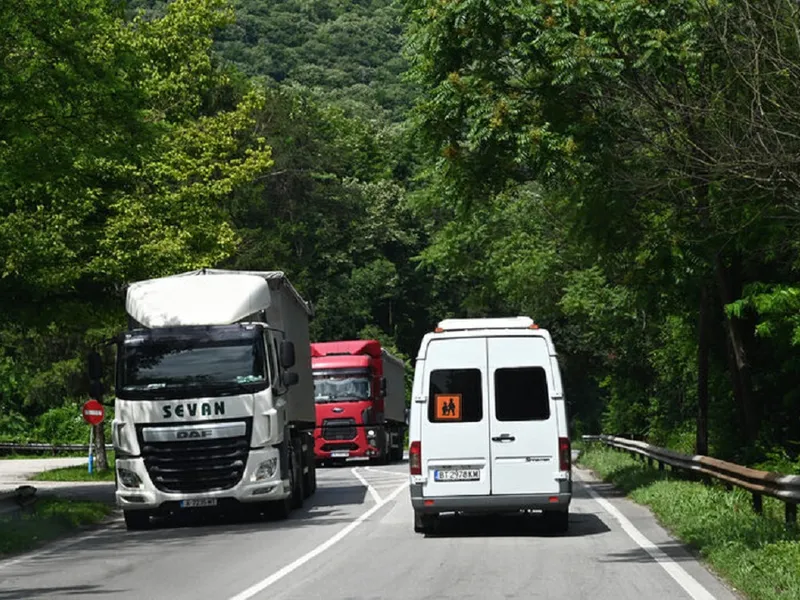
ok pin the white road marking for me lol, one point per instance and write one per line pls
(277, 576)
(692, 587)
(386, 472)
(372, 491)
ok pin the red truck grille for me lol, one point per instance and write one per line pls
(339, 429)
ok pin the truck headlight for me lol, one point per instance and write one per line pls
(128, 478)
(266, 469)
(371, 433)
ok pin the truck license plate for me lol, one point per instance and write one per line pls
(457, 475)
(340, 453)
(198, 502)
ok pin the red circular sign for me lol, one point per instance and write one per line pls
(93, 412)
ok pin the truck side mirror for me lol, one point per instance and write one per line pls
(95, 366)
(408, 416)
(290, 378)
(287, 354)
(96, 390)
(383, 386)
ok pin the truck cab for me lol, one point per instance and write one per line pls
(214, 400)
(360, 401)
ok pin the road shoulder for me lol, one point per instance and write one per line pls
(645, 522)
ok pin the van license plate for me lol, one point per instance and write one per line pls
(340, 453)
(198, 502)
(457, 475)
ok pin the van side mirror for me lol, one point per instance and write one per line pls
(287, 354)
(383, 386)
(290, 378)
(95, 363)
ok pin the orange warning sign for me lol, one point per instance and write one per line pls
(448, 407)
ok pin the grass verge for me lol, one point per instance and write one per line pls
(80, 473)
(756, 554)
(49, 518)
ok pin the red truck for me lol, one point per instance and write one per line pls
(360, 401)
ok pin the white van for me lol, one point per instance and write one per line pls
(488, 426)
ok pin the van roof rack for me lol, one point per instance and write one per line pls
(489, 323)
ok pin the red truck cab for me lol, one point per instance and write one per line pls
(360, 401)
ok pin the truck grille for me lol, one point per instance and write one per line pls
(196, 465)
(339, 429)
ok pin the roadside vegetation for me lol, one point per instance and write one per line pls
(80, 473)
(756, 554)
(47, 520)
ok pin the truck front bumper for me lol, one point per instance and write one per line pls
(147, 496)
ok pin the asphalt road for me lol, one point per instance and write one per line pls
(354, 540)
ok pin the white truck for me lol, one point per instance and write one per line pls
(207, 413)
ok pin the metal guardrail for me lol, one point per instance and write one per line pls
(759, 483)
(9, 448)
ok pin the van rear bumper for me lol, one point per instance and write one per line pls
(489, 504)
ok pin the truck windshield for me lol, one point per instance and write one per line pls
(329, 387)
(191, 362)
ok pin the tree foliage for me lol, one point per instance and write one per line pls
(666, 132)
(625, 172)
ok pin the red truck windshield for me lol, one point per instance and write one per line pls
(330, 386)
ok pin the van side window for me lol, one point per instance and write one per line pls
(521, 394)
(455, 396)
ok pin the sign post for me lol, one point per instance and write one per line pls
(93, 413)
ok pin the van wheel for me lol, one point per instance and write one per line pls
(424, 523)
(558, 521)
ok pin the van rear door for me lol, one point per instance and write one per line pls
(523, 420)
(455, 424)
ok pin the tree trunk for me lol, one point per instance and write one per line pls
(101, 459)
(739, 366)
(703, 339)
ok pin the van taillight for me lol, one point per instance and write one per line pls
(415, 458)
(564, 454)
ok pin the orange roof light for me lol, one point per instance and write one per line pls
(438, 330)
(534, 326)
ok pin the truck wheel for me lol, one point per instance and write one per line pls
(397, 448)
(298, 489)
(281, 509)
(137, 519)
(310, 478)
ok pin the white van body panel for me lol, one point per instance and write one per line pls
(456, 448)
(524, 453)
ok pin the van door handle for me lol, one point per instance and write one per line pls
(504, 437)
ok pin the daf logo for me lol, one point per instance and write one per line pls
(192, 434)
(338, 409)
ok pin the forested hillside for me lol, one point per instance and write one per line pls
(348, 52)
(627, 176)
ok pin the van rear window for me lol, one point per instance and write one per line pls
(520, 394)
(455, 396)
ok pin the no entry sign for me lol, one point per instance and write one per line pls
(93, 412)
